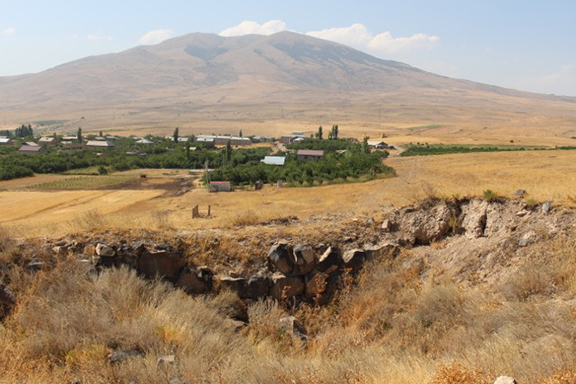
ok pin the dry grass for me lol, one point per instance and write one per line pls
(392, 327)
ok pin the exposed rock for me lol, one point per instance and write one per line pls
(166, 360)
(316, 284)
(303, 259)
(382, 250)
(520, 193)
(195, 281)
(387, 225)
(122, 355)
(280, 258)
(546, 207)
(235, 284)
(329, 261)
(104, 250)
(425, 225)
(35, 266)
(163, 264)
(7, 301)
(257, 286)
(505, 380)
(527, 239)
(354, 259)
(292, 326)
(286, 287)
(522, 213)
(474, 216)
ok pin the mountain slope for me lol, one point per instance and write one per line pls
(196, 72)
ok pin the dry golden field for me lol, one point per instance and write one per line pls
(152, 203)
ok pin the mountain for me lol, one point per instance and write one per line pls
(204, 77)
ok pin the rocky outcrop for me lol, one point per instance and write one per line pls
(195, 280)
(505, 380)
(162, 264)
(424, 224)
(281, 258)
(285, 287)
(7, 301)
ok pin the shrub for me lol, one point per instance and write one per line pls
(490, 195)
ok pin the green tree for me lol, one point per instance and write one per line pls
(365, 146)
(228, 152)
(240, 133)
(79, 135)
(175, 135)
(188, 150)
(320, 132)
(101, 134)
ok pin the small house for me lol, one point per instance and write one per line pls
(99, 144)
(288, 139)
(31, 144)
(377, 144)
(309, 154)
(5, 140)
(47, 141)
(31, 150)
(220, 186)
(274, 160)
(144, 141)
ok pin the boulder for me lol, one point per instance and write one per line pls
(290, 325)
(286, 286)
(257, 287)
(474, 217)
(104, 250)
(316, 284)
(329, 261)
(354, 259)
(280, 258)
(7, 301)
(167, 360)
(195, 281)
(505, 380)
(304, 256)
(546, 207)
(520, 192)
(426, 224)
(527, 238)
(234, 284)
(387, 225)
(382, 250)
(161, 264)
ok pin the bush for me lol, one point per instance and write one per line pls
(490, 195)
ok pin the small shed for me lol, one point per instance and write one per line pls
(99, 144)
(377, 144)
(274, 160)
(5, 140)
(144, 141)
(309, 154)
(30, 144)
(220, 186)
(47, 141)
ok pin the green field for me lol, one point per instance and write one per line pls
(84, 183)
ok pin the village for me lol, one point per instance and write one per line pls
(228, 161)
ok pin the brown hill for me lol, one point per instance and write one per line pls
(203, 80)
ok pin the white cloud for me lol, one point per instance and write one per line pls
(8, 31)
(358, 36)
(156, 36)
(252, 27)
(98, 37)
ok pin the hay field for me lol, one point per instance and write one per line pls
(545, 175)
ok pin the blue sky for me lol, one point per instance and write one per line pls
(528, 45)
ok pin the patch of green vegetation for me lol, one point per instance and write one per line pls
(84, 183)
(444, 149)
(351, 166)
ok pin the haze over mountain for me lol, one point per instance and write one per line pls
(203, 77)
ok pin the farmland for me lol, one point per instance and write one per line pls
(545, 175)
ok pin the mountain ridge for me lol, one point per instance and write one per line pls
(181, 76)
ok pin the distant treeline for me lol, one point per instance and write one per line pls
(425, 150)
